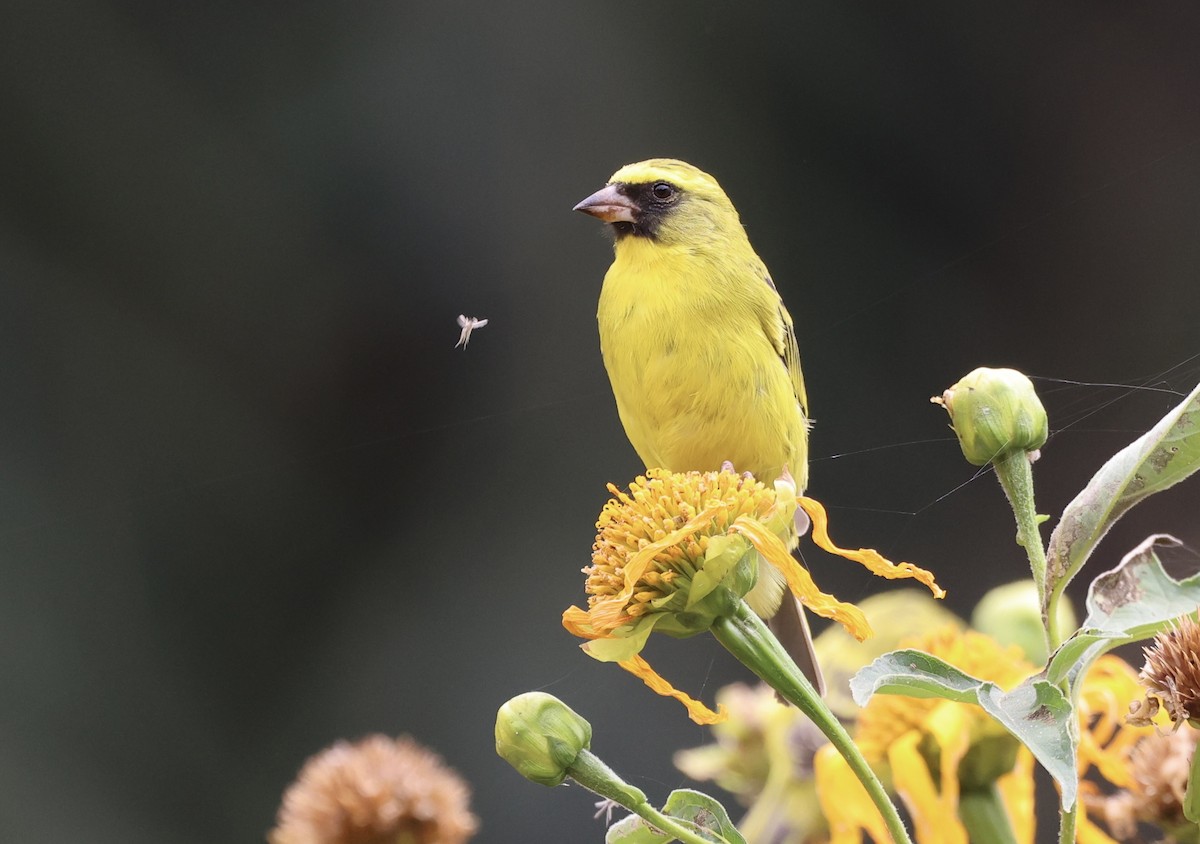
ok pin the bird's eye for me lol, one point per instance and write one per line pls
(664, 191)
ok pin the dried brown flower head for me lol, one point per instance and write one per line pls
(1172, 670)
(375, 791)
(1159, 765)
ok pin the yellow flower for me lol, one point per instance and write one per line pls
(738, 760)
(933, 749)
(679, 551)
(763, 755)
(895, 616)
(376, 790)
(1105, 737)
(844, 801)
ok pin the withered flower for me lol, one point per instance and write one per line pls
(1159, 766)
(376, 791)
(680, 550)
(1172, 671)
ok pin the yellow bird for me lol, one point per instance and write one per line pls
(699, 348)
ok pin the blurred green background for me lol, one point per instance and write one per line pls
(252, 500)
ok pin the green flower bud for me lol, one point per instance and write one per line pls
(994, 412)
(541, 736)
(1011, 614)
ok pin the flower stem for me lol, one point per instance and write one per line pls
(746, 637)
(1066, 825)
(983, 814)
(590, 771)
(1015, 472)
(1191, 799)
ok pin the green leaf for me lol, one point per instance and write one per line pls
(724, 555)
(1134, 601)
(633, 830)
(1042, 719)
(705, 813)
(697, 811)
(914, 674)
(1035, 712)
(1160, 458)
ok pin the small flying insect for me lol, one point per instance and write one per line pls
(468, 324)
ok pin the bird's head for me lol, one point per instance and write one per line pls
(664, 200)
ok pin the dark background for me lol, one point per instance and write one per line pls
(252, 499)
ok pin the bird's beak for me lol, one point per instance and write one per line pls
(610, 205)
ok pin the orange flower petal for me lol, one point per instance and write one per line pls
(874, 562)
(579, 623)
(773, 550)
(607, 614)
(697, 711)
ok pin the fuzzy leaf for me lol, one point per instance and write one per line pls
(1041, 717)
(1134, 601)
(913, 674)
(1036, 712)
(695, 810)
(1160, 458)
(633, 830)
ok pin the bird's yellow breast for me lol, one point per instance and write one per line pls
(697, 377)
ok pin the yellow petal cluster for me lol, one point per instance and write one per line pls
(655, 538)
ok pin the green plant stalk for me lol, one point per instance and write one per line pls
(1054, 636)
(1187, 832)
(746, 637)
(1066, 825)
(590, 771)
(983, 814)
(1016, 478)
(1191, 799)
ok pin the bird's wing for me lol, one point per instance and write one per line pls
(784, 337)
